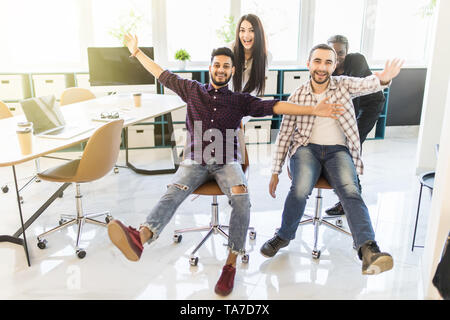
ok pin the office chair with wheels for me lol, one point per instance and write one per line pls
(76, 94)
(211, 188)
(318, 219)
(4, 113)
(99, 156)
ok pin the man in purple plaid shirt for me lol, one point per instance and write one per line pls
(213, 112)
(329, 147)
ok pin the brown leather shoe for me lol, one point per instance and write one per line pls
(226, 281)
(127, 239)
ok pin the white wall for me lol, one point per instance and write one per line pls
(439, 218)
(435, 128)
(435, 90)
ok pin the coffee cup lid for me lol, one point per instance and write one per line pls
(23, 130)
(137, 94)
(24, 124)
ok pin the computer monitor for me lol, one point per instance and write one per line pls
(112, 66)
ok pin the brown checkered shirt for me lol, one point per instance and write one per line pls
(296, 131)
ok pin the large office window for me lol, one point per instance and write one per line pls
(40, 34)
(192, 25)
(343, 17)
(281, 23)
(401, 30)
(112, 18)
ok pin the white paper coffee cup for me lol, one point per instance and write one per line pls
(25, 137)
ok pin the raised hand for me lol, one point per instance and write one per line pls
(391, 70)
(331, 110)
(131, 42)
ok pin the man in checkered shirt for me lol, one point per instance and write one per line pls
(329, 147)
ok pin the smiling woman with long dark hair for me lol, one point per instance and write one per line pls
(250, 53)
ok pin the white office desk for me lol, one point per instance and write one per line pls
(153, 105)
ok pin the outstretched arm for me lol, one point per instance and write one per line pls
(147, 63)
(323, 109)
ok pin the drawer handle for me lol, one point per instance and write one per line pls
(48, 81)
(139, 131)
(296, 77)
(258, 127)
(5, 81)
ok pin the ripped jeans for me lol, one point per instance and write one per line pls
(189, 176)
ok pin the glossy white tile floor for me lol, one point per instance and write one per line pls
(390, 189)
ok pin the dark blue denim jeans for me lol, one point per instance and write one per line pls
(189, 176)
(336, 164)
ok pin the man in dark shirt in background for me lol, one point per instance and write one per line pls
(367, 108)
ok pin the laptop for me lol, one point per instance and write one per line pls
(48, 120)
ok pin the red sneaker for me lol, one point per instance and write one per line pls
(226, 281)
(127, 239)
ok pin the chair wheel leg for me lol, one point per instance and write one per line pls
(42, 244)
(193, 261)
(108, 218)
(252, 235)
(177, 238)
(316, 254)
(245, 258)
(339, 223)
(81, 253)
(5, 189)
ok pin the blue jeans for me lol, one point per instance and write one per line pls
(336, 164)
(189, 176)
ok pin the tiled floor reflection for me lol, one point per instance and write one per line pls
(390, 189)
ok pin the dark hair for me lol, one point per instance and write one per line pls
(223, 51)
(339, 39)
(321, 46)
(257, 78)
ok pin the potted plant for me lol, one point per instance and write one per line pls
(182, 56)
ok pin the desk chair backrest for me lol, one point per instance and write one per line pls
(101, 152)
(73, 95)
(4, 111)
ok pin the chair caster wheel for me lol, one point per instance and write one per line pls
(5, 189)
(116, 170)
(316, 254)
(61, 194)
(108, 219)
(177, 238)
(21, 199)
(193, 261)
(339, 223)
(245, 258)
(81, 253)
(42, 244)
(62, 221)
(252, 235)
(37, 180)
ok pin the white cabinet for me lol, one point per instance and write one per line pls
(141, 136)
(49, 84)
(11, 87)
(258, 130)
(293, 80)
(271, 82)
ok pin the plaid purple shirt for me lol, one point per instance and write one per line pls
(213, 117)
(295, 131)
